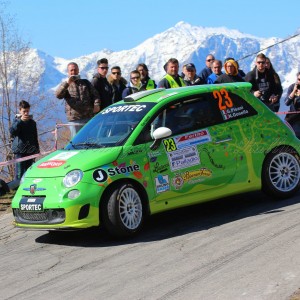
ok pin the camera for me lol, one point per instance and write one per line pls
(19, 116)
(298, 86)
(264, 96)
(75, 77)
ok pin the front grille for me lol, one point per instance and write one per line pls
(48, 216)
(32, 216)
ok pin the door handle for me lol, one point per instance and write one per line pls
(223, 140)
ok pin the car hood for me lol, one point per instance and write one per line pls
(59, 163)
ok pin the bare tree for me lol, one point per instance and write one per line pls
(19, 80)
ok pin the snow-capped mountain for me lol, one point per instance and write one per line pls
(187, 43)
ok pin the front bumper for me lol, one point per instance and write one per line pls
(58, 210)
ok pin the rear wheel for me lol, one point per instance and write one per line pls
(122, 210)
(281, 173)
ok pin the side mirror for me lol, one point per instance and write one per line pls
(159, 134)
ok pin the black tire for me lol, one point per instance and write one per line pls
(281, 173)
(123, 211)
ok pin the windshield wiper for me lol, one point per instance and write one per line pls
(87, 145)
(73, 145)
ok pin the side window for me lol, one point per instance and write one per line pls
(231, 106)
(201, 111)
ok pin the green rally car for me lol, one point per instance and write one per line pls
(158, 150)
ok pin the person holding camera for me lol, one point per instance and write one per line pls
(82, 100)
(25, 138)
(263, 83)
(293, 101)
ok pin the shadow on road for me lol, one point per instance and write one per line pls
(177, 222)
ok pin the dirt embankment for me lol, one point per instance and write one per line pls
(5, 203)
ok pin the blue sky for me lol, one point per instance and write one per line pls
(72, 28)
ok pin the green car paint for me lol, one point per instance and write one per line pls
(222, 143)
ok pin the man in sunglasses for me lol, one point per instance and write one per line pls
(263, 83)
(205, 72)
(135, 85)
(101, 84)
(117, 82)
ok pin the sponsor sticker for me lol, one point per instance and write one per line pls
(51, 164)
(127, 108)
(32, 204)
(64, 155)
(183, 158)
(100, 175)
(193, 138)
(162, 183)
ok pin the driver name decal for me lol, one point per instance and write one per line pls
(233, 112)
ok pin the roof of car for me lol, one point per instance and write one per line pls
(157, 95)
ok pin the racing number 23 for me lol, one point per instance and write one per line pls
(169, 145)
(223, 98)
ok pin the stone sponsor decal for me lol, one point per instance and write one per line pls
(101, 175)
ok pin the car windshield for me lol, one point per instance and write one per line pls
(111, 127)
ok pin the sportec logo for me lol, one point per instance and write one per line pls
(51, 164)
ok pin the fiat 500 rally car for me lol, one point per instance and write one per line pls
(158, 150)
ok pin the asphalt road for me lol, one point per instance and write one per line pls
(244, 247)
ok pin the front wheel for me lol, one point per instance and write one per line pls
(122, 211)
(281, 173)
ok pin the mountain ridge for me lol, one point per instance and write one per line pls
(187, 43)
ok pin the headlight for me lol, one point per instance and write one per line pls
(22, 178)
(72, 178)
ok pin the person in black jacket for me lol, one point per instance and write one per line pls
(25, 138)
(101, 84)
(117, 82)
(293, 101)
(263, 83)
(135, 85)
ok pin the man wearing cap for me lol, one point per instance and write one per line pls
(171, 79)
(191, 78)
(101, 84)
(231, 73)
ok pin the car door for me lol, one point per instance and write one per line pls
(198, 156)
(203, 152)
